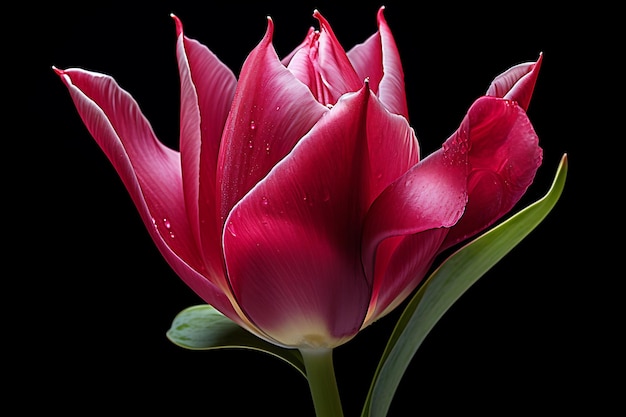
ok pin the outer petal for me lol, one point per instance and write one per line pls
(504, 156)
(207, 90)
(404, 227)
(517, 83)
(150, 171)
(378, 60)
(292, 245)
(271, 111)
(401, 264)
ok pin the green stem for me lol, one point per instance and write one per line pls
(320, 373)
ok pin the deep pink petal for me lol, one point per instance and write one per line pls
(432, 195)
(378, 60)
(322, 64)
(517, 83)
(293, 244)
(271, 111)
(150, 171)
(305, 70)
(504, 156)
(333, 63)
(207, 90)
(401, 264)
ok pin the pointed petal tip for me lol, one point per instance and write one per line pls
(380, 15)
(58, 71)
(270, 29)
(179, 24)
(317, 15)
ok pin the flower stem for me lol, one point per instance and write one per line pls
(322, 382)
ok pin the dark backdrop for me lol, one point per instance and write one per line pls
(95, 298)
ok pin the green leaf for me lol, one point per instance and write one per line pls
(444, 286)
(202, 327)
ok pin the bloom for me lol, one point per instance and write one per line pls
(298, 204)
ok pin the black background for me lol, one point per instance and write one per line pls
(93, 300)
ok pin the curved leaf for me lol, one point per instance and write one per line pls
(202, 327)
(445, 285)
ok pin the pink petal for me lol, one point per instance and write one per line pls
(401, 264)
(333, 63)
(378, 60)
(323, 65)
(404, 227)
(271, 111)
(503, 158)
(150, 171)
(303, 65)
(517, 83)
(293, 244)
(207, 90)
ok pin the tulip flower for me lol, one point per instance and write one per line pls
(298, 204)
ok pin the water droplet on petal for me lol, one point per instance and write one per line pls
(252, 125)
(231, 229)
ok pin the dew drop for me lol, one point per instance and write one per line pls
(252, 125)
(265, 201)
(231, 229)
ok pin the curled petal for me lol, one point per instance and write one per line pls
(402, 262)
(504, 156)
(517, 83)
(431, 195)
